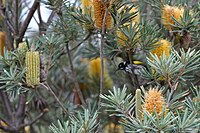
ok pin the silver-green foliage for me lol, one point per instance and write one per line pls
(119, 103)
(84, 121)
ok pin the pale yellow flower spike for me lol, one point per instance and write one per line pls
(94, 70)
(154, 101)
(98, 14)
(168, 12)
(164, 47)
(32, 68)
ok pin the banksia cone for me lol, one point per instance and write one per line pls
(164, 47)
(32, 68)
(2, 42)
(154, 101)
(138, 104)
(94, 70)
(99, 8)
(168, 12)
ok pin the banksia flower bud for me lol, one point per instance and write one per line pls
(138, 104)
(154, 101)
(168, 12)
(99, 8)
(32, 68)
(94, 70)
(2, 42)
(164, 47)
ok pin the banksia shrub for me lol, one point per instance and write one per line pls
(154, 101)
(99, 8)
(32, 68)
(94, 70)
(168, 12)
(164, 46)
(2, 42)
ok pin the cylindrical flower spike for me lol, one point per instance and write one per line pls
(138, 101)
(154, 101)
(99, 8)
(168, 12)
(164, 47)
(94, 70)
(32, 68)
(2, 42)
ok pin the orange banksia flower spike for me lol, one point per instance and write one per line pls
(99, 8)
(2, 42)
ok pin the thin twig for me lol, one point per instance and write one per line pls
(101, 56)
(81, 42)
(16, 16)
(45, 85)
(75, 77)
(34, 120)
(50, 18)
(28, 19)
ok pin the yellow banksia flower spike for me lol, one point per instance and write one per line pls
(154, 101)
(168, 12)
(32, 68)
(99, 9)
(164, 47)
(86, 4)
(2, 42)
(94, 70)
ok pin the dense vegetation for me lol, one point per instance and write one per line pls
(110, 66)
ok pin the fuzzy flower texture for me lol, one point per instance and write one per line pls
(154, 101)
(164, 46)
(168, 12)
(98, 8)
(99, 11)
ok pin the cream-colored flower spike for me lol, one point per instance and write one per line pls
(32, 68)
(171, 11)
(154, 101)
